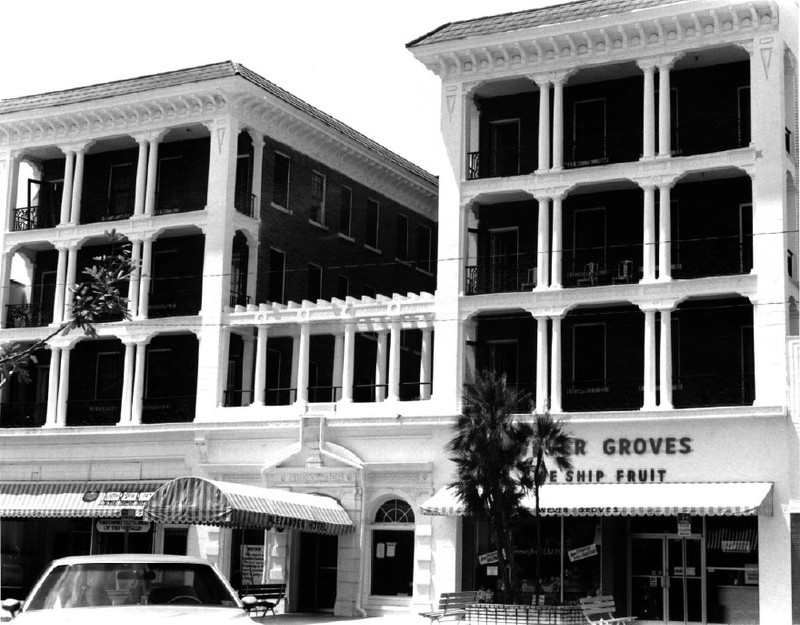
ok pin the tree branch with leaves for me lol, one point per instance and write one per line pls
(94, 299)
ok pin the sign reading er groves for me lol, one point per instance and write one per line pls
(626, 447)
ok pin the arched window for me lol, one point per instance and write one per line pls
(395, 511)
(393, 549)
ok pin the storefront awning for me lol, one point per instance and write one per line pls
(74, 499)
(195, 500)
(715, 498)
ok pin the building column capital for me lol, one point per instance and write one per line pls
(75, 148)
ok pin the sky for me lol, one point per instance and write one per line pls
(346, 57)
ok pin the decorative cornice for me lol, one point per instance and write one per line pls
(613, 39)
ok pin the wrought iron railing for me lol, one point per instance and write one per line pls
(28, 315)
(233, 398)
(714, 389)
(178, 409)
(280, 396)
(717, 135)
(239, 299)
(23, 414)
(496, 163)
(585, 152)
(88, 412)
(602, 395)
(106, 209)
(245, 203)
(717, 256)
(168, 301)
(180, 200)
(35, 217)
(499, 278)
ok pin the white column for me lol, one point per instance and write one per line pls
(649, 234)
(557, 251)
(260, 383)
(135, 280)
(61, 282)
(649, 113)
(664, 113)
(555, 365)
(66, 193)
(258, 161)
(664, 233)
(127, 382)
(52, 385)
(542, 385)
(221, 377)
(8, 186)
(302, 363)
(138, 382)
(543, 245)
(5, 286)
(152, 178)
(77, 187)
(144, 283)
(63, 387)
(72, 274)
(348, 360)
(248, 342)
(380, 366)
(425, 362)
(650, 360)
(336, 378)
(544, 124)
(666, 360)
(141, 178)
(558, 124)
(252, 268)
(394, 362)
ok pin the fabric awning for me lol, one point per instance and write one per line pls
(74, 499)
(196, 500)
(710, 498)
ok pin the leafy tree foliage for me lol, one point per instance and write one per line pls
(96, 298)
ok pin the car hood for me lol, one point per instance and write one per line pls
(139, 615)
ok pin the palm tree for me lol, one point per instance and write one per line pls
(493, 469)
(549, 441)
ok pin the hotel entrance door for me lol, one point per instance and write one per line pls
(666, 579)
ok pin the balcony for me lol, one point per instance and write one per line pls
(95, 210)
(245, 203)
(174, 302)
(712, 135)
(29, 315)
(603, 395)
(498, 163)
(93, 412)
(239, 299)
(714, 389)
(168, 409)
(503, 278)
(23, 415)
(35, 217)
(180, 200)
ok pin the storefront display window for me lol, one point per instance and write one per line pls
(732, 569)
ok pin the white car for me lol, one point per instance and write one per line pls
(130, 588)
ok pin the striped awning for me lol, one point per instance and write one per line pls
(667, 499)
(196, 500)
(74, 499)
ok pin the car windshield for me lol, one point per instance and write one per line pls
(107, 584)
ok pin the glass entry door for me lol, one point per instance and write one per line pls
(666, 579)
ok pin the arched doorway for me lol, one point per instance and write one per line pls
(393, 550)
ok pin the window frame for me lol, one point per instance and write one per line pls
(348, 234)
(287, 182)
(425, 264)
(272, 272)
(402, 248)
(372, 241)
(314, 268)
(320, 221)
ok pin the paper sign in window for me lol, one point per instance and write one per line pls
(380, 551)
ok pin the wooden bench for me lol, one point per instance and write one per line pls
(452, 605)
(268, 596)
(594, 607)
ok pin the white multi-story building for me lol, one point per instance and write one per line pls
(620, 239)
(625, 189)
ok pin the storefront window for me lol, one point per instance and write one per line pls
(249, 549)
(732, 569)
